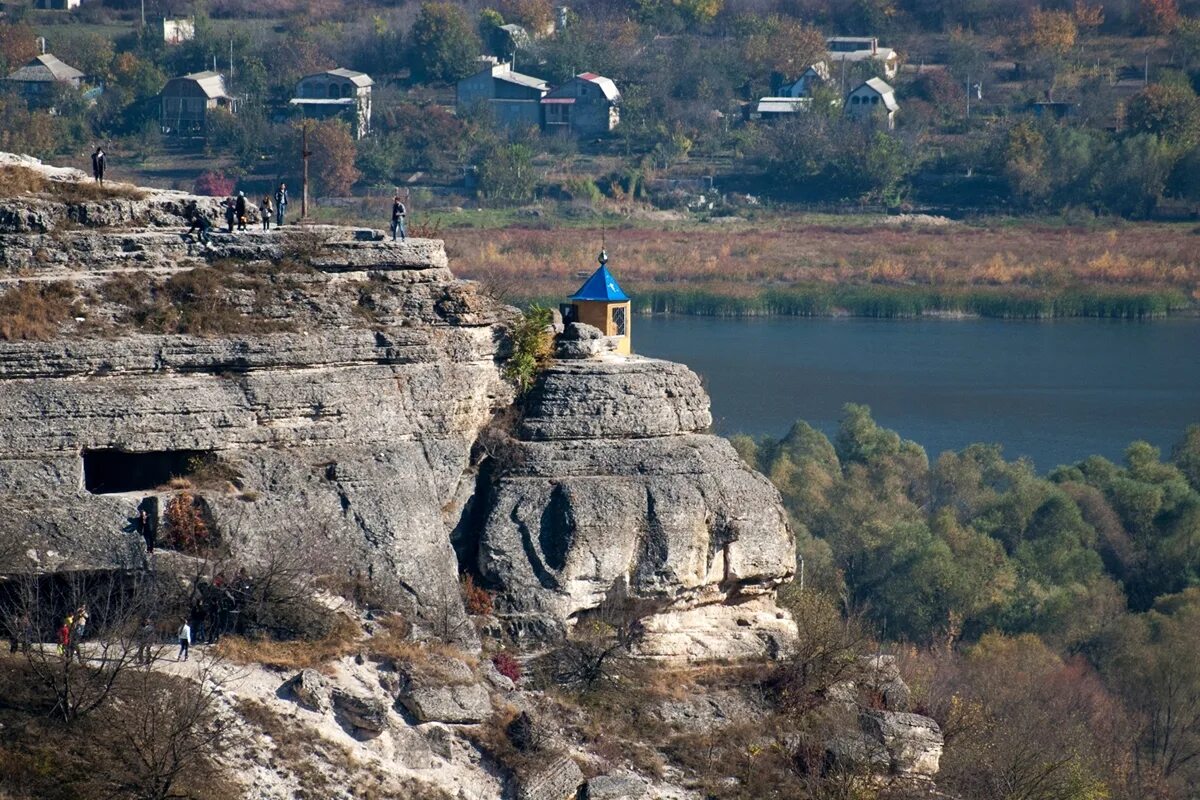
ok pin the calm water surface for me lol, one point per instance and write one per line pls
(1053, 391)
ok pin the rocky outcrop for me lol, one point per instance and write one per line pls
(442, 689)
(335, 387)
(310, 690)
(612, 493)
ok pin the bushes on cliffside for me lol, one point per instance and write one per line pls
(531, 344)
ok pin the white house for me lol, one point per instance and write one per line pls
(802, 87)
(873, 99)
(856, 49)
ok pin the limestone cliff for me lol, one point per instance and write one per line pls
(344, 392)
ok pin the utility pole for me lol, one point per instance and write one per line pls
(968, 95)
(143, 13)
(304, 154)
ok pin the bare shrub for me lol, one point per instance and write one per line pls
(598, 652)
(77, 678)
(163, 737)
(187, 530)
(476, 599)
(827, 650)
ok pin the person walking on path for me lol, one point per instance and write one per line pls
(230, 213)
(185, 640)
(78, 628)
(399, 212)
(240, 207)
(64, 638)
(98, 165)
(145, 642)
(265, 210)
(281, 201)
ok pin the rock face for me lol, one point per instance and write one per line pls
(612, 491)
(333, 387)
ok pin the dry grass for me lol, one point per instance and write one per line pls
(786, 253)
(292, 655)
(393, 644)
(17, 181)
(36, 312)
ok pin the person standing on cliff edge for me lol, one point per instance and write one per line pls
(98, 165)
(399, 212)
(281, 201)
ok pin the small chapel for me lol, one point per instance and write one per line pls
(601, 302)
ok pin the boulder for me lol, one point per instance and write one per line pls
(442, 690)
(913, 742)
(581, 331)
(881, 675)
(310, 689)
(363, 717)
(559, 779)
(615, 786)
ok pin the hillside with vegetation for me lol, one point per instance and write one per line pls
(1072, 116)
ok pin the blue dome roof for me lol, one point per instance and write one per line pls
(601, 286)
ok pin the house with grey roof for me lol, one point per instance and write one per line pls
(38, 79)
(186, 102)
(873, 99)
(338, 92)
(846, 50)
(513, 99)
(586, 105)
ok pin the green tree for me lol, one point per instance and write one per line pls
(1168, 111)
(442, 44)
(506, 173)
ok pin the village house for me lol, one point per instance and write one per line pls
(812, 77)
(768, 108)
(185, 103)
(337, 92)
(56, 5)
(873, 99)
(513, 99)
(38, 79)
(846, 50)
(586, 105)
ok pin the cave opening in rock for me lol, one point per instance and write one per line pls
(112, 471)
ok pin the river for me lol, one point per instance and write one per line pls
(1054, 391)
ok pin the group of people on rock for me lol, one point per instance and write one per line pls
(235, 210)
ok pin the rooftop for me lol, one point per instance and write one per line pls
(352, 75)
(45, 69)
(211, 83)
(601, 286)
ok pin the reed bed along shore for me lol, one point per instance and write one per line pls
(787, 268)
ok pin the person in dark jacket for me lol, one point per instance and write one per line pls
(281, 201)
(230, 212)
(399, 212)
(240, 207)
(147, 518)
(98, 164)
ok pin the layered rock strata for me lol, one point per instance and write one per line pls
(339, 391)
